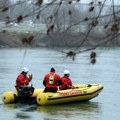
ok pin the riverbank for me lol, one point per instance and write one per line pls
(15, 39)
(11, 39)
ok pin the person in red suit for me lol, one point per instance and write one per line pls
(66, 81)
(51, 81)
(23, 79)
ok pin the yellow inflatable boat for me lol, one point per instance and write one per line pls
(81, 92)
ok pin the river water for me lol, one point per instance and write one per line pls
(106, 71)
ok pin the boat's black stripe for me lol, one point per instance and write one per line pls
(74, 95)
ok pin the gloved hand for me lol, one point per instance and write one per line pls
(30, 77)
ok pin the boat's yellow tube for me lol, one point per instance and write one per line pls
(81, 93)
(9, 97)
(36, 92)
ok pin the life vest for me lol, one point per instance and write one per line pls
(66, 83)
(21, 80)
(51, 79)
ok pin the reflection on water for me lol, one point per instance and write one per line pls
(22, 115)
(70, 110)
(87, 106)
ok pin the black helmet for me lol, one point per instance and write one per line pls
(52, 70)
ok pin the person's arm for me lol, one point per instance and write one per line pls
(45, 80)
(59, 81)
(70, 82)
(71, 85)
(67, 83)
(20, 80)
(30, 77)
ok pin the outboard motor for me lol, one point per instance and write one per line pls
(25, 95)
(25, 91)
